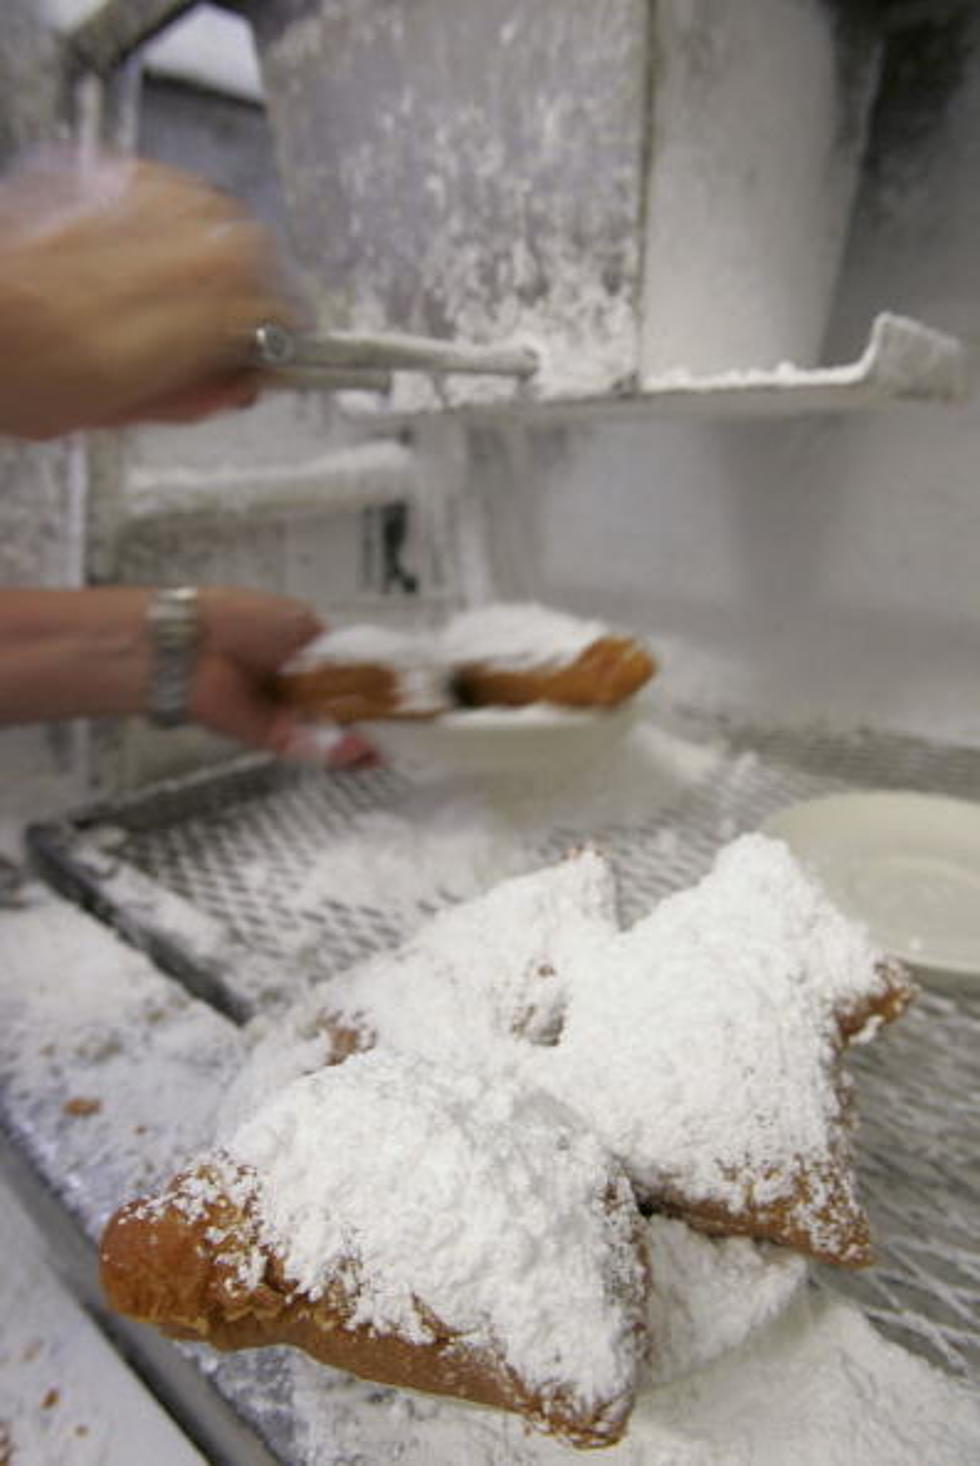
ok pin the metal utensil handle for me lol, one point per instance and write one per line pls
(277, 348)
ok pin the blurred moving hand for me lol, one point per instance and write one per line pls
(128, 292)
(86, 653)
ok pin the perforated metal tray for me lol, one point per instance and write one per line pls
(918, 1086)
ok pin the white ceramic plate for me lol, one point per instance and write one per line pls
(539, 738)
(907, 864)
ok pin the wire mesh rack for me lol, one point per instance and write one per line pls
(918, 1087)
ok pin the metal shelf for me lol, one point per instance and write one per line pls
(903, 362)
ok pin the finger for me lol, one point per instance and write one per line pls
(353, 751)
(221, 266)
(143, 196)
(327, 746)
(169, 348)
(225, 393)
(250, 718)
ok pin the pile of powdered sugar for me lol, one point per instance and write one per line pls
(449, 838)
(751, 1368)
(714, 1024)
(438, 845)
(438, 1189)
(708, 1294)
(817, 1386)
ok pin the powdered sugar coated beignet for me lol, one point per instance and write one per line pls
(504, 655)
(437, 1229)
(484, 978)
(703, 1045)
(514, 654)
(717, 1024)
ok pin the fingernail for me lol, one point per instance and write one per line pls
(353, 751)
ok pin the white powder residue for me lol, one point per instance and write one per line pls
(514, 636)
(518, 636)
(363, 643)
(421, 683)
(66, 1398)
(156, 911)
(437, 1189)
(113, 1064)
(818, 1387)
(157, 908)
(69, 963)
(902, 358)
(482, 978)
(505, 635)
(450, 838)
(708, 1295)
(713, 1023)
(433, 851)
(570, 293)
(490, 973)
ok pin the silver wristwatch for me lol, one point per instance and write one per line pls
(174, 624)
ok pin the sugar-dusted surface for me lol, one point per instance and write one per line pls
(66, 1398)
(458, 1193)
(322, 871)
(364, 643)
(917, 1142)
(708, 1295)
(517, 636)
(109, 1077)
(481, 979)
(714, 1022)
(109, 1069)
(701, 1045)
(818, 1387)
(419, 680)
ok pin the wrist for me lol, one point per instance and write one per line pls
(74, 653)
(174, 624)
(117, 655)
(109, 651)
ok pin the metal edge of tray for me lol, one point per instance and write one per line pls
(51, 856)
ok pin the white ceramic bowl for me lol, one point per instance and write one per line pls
(907, 864)
(537, 740)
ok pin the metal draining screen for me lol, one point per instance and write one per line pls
(918, 1087)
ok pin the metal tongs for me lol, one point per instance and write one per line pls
(349, 359)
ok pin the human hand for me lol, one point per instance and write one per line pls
(126, 294)
(246, 637)
(87, 654)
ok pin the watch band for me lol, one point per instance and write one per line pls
(174, 626)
